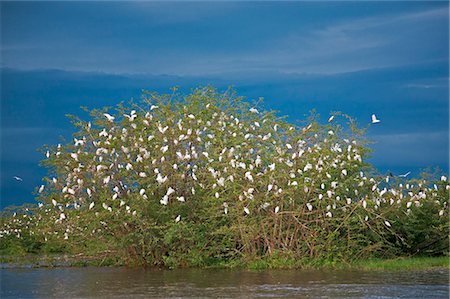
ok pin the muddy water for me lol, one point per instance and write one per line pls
(138, 283)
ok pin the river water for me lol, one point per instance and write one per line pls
(188, 283)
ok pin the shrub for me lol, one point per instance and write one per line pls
(205, 178)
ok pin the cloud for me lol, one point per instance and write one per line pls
(213, 38)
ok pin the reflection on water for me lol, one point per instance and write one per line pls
(139, 283)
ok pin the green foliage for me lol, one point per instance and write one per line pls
(208, 179)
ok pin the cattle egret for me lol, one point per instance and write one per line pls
(91, 205)
(41, 189)
(164, 200)
(364, 204)
(374, 119)
(404, 175)
(178, 219)
(246, 210)
(170, 191)
(387, 223)
(221, 182)
(253, 110)
(18, 178)
(331, 118)
(309, 206)
(277, 209)
(109, 117)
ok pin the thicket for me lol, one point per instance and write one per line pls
(209, 178)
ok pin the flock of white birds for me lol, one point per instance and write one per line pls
(250, 162)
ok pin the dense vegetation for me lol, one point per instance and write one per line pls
(210, 179)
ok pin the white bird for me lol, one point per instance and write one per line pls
(246, 210)
(153, 107)
(131, 117)
(253, 110)
(178, 219)
(41, 189)
(404, 175)
(18, 178)
(109, 117)
(374, 119)
(164, 200)
(170, 191)
(277, 209)
(47, 154)
(91, 205)
(331, 118)
(364, 204)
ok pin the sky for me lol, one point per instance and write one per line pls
(383, 57)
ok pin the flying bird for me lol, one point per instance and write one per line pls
(18, 178)
(109, 117)
(404, 175)
(374, 119)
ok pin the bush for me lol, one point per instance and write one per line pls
(200, 179)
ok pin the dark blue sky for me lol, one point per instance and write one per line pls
(388, 58)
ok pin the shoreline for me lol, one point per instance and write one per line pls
(373, 264)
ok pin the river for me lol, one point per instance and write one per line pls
(106, 282)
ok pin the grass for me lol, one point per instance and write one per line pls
(373, 264)
(402, 264)
(275, 262)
